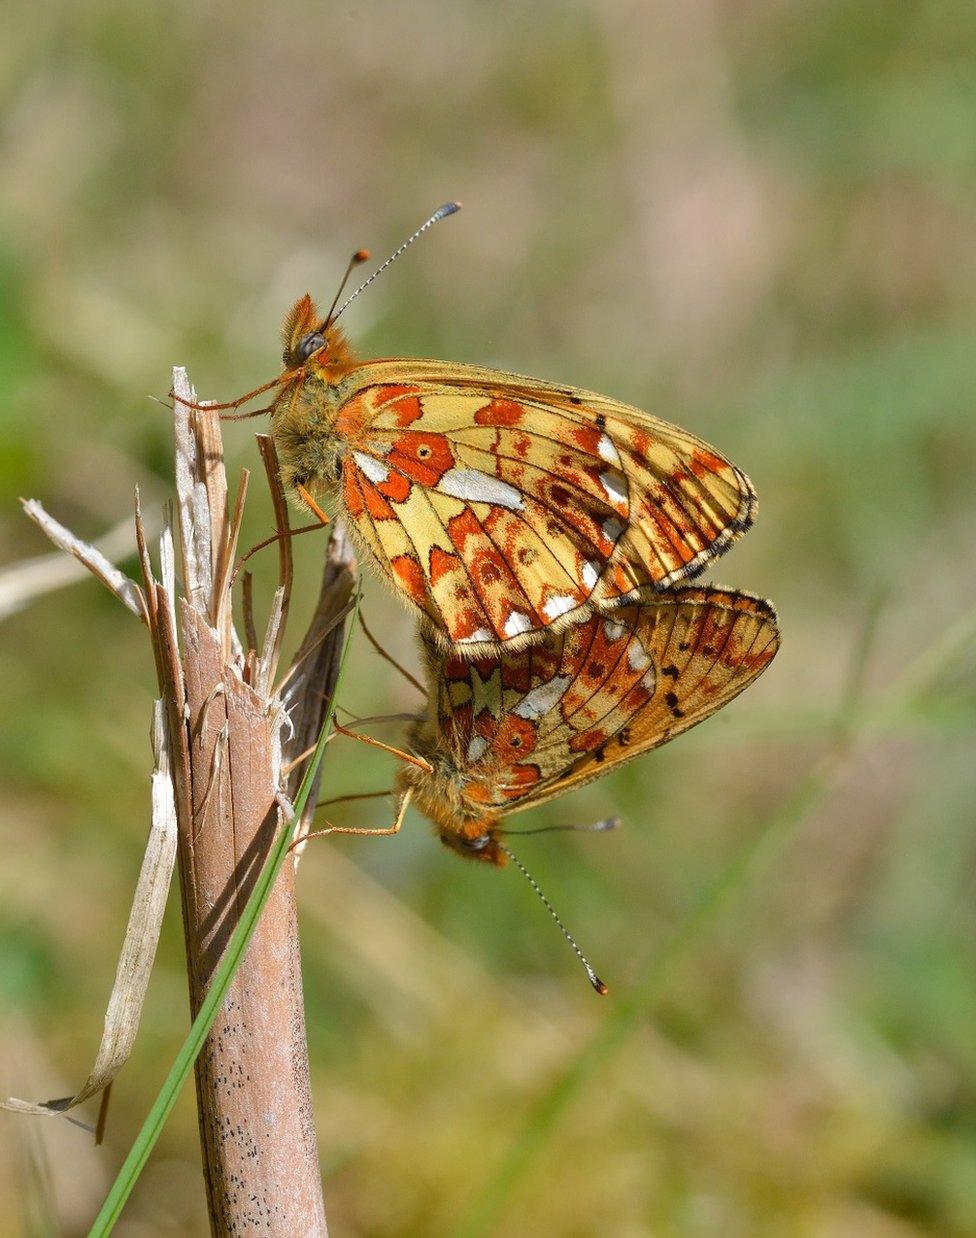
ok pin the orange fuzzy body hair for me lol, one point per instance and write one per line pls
(439, 795)
(304, 319)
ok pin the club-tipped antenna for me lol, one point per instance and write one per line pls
(442, 212)
(594, 979)
(592, 827)
(361, 255)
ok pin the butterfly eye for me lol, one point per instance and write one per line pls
(309, 344)
(476, 844)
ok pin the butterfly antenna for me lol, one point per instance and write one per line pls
(361, 255)
(594, 979)
(449, 208)
(594, 827)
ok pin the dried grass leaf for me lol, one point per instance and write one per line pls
(269, 652)
(139, 946)
(192, 499)
(124, 587)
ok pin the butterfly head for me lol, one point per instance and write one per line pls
(476, 840)
(308, 343)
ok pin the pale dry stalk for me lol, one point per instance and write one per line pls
(256, 1126)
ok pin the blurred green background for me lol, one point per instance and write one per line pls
(756, 220)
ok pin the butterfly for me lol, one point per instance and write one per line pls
(497, 506)
(504, 734)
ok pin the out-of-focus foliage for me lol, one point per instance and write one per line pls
(757, 220)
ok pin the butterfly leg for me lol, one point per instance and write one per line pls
(269, 541)
(287, 377)
(363, 795)
(256, 412)
(389, 657)
(356, 829)
(311, 504)
(378, 743)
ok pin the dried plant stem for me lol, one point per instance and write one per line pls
(256, 1128)
(254, 1103)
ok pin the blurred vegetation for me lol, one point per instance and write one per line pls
(755, 220)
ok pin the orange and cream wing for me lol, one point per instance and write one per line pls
(492, 527)
(500, 505)
(705, 647)
(539, 722)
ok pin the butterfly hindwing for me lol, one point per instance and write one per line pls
(705, 646)
(529, 726)
(689, 505)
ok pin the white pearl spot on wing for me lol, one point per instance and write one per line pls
(516, 623)
(476, 487)
(615, 487)
(477, 747)
(606, 450)
(558, 605)
(612, 528)
(637, 656)
(540, 700)
(375, 470)
(478, 635)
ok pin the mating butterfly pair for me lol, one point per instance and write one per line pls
(540, 533)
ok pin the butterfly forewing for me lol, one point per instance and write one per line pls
(500, 505)
(539, 722)
(486, 526)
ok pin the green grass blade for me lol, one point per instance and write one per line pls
(236, 946)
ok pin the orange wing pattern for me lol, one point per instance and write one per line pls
(518, 731)
(499, 505)
(494, 519)
(689, 506)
